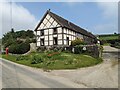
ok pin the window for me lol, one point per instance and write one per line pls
(67, 40)
(55, 31)
(42, 42)
(55, 41)
(42, 32)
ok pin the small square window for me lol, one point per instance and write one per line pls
(42, 42)
(55, 31)
(42, 32)
(55, 41)
(67, 40)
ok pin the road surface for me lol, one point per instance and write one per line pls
(19, 76)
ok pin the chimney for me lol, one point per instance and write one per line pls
(49, 10)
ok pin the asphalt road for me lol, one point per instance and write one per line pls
(19, 76)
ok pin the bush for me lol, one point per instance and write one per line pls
(77, 41)
(36, 59)
(41, 49)
(78, 49)
(19, 48)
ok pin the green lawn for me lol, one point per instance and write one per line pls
(109, 37)
(54, 60)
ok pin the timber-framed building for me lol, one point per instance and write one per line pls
(54, 30)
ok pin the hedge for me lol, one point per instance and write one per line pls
(19, 48)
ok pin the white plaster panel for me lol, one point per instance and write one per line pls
(59, 42)
(50, 42)
(38, 43)
(45, 27)
(72, 38)
(48, 16)
(48, 24)
(69, 42)
(59, 30)
(65, 31)
(38, 32)
(50, 37)
(73, 33)
(64, 36)
(69, 37)
(46, 43)
(45, 21)
(41, 26)
(64, 42)
(59, 36)
(46, 32)
(51, 20)
(58, 25)
(46, 37)
(50, 31)
(70, 32)
(55, 23)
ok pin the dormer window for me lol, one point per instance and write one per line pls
(42, 32)
(55, 31)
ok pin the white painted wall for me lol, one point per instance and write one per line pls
(50, 37)
(59, 30)
(51, 42)
(38, 44)
(59, 42)
(46, 32)
(46, 38)
(59, 36)
(50, 31)
(46, 43)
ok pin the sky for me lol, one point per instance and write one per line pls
(95, 17)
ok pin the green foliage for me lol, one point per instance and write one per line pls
(116, 44)
(11, 37)
(18, 42)
(19, 48)
(36, 59)
(78, 49)
(109, 37)
(62, 61)
(77, 41)
(18, 58)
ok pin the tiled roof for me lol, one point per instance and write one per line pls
(65, 23)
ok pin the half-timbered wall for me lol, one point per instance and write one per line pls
(64, 36)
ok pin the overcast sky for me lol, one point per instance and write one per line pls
(96, 17)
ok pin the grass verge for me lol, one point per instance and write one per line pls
(55, 61)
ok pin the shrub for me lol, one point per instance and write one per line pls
(41, 49)
(77, 41)
(36, 59)
(19, 48)
(78, 49)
